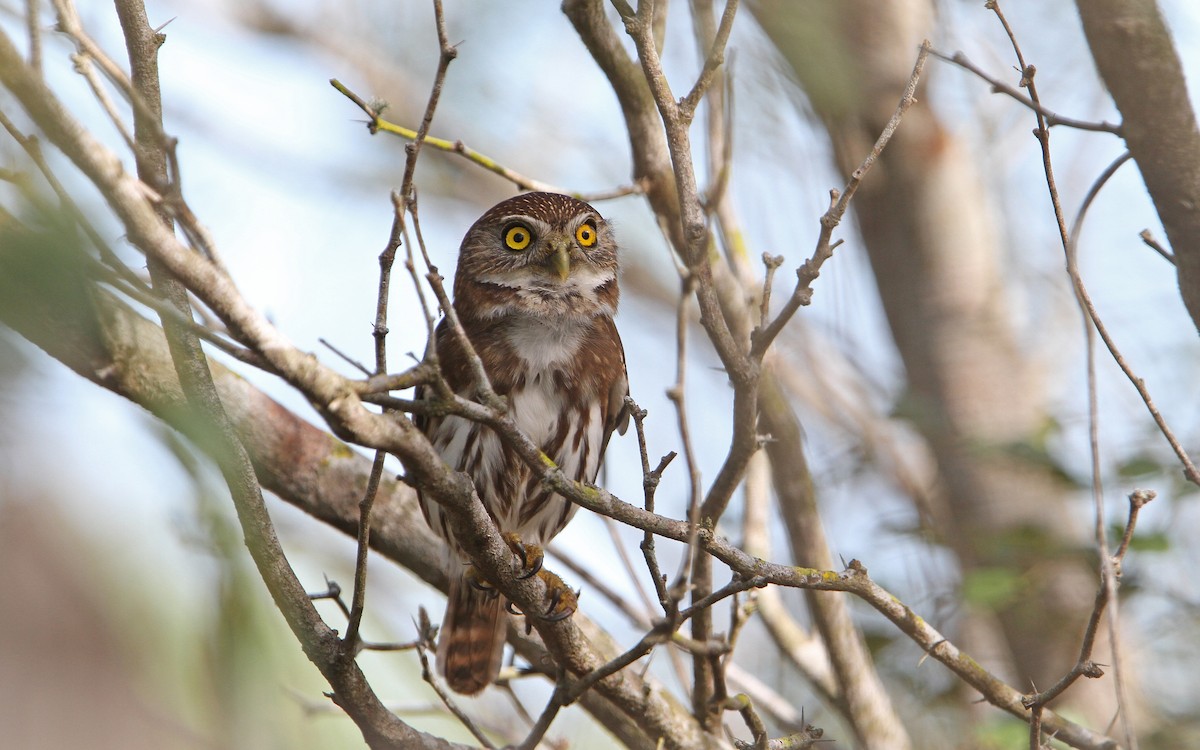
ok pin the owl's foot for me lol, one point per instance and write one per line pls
(561, 600)
(530, 556)
(476, 581)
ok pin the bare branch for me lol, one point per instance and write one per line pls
(386, 260)
(839, 202)
(714, 60)
(378, 123)
(1000, 87)
(1107, 595)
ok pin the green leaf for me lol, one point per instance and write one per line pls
(1143, 541)
(1153, 542)
(1141, 465)
(992, 587)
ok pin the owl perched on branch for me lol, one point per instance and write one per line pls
(535, 291)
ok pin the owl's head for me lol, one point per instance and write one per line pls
(538, 253)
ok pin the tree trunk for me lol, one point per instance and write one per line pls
(924, 217)
(1137, 61)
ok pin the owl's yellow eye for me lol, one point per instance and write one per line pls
(585, 235)
(517, 237)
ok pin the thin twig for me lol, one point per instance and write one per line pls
(358, 597)
(1000, 87)
(332, 592)
(736, 586)
(425, 640)
(1084, 666)
(84, 67)
(1085, 300)
(378, 123)
(380, 330)
(1156, 246)
(1138, 499)
(549, 713)
(650, 480)
(421, 373)
(614, 535)
(345, 357)
(447, 53)
(772, 264)
(410, 265)
(1107, 594)
(677, 395)
(808, 272)
(712, 62)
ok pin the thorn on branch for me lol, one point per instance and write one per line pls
(1156, 246)
(1027, 76)
(333, 592)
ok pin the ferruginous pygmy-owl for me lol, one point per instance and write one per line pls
(535, 290)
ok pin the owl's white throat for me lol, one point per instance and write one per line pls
(544, 343)
(583, 282)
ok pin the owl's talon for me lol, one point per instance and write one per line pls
(529, 571)
(530, 556)
(561, 599)
(476, 581)
(557, 611)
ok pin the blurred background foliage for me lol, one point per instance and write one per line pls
(132, 615)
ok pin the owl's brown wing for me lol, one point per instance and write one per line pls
(616, 411)
(471, 644)
(456, 368)
(423, 422)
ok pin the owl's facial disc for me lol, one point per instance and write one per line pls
(549, 247)
(553, 266)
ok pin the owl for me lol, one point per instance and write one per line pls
(535, 291)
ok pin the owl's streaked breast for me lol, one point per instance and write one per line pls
(572, 434)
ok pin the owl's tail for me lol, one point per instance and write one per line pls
(471, 643)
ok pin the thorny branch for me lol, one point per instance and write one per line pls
(1106, 598)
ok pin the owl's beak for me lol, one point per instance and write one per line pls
(560, 261)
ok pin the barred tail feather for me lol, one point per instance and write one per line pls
(471, 643)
